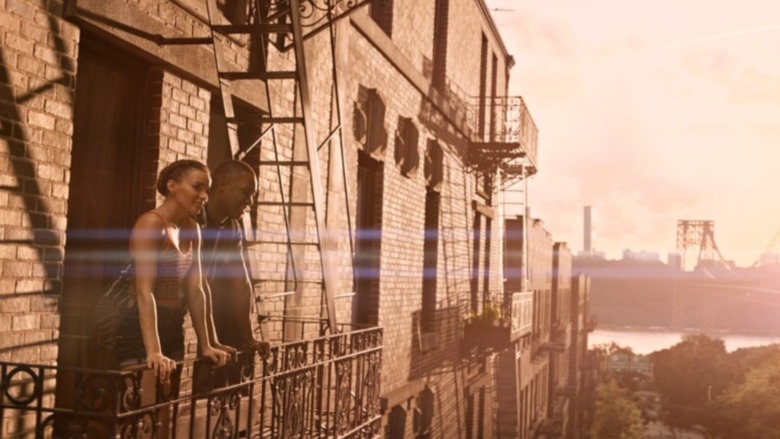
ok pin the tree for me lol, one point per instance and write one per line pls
(749, 408)
(689, 375)
(616, 415)
(612, 347)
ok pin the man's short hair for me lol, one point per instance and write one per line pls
(231, 169)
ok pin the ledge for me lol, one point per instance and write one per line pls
(137, 32)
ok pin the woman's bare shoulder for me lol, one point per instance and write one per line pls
(151, 224)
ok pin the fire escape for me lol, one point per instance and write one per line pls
(318, 382)
(503, 148)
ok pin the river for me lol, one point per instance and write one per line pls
(645, 341)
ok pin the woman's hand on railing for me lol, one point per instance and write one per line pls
(161, 365)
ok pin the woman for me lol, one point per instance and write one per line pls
(165, 247)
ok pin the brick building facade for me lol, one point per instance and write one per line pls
(431, 63)
(96, 98)
(545, 361)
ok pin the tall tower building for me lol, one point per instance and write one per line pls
(587, 247)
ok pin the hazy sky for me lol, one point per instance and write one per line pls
(652, 111)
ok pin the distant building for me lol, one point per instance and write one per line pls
(769, 258)
(629, 362)
(542, 376)
(674, 260)
(641, 255)
(595, 255)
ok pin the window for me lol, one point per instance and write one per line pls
(482, 89)
(382, 13)
(486, 264)
(368, 230)
(434, 165)
(407, 155)
(440, 26)
(470, 416)
(368, 122)
(423, 414)
(475, 260)
(484, 186)
(430, 260)
(481, 414)
(396, 423)
(493, 89)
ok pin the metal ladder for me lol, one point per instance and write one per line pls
(283, 19)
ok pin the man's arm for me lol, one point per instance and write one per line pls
(242, 305)
(210, 327)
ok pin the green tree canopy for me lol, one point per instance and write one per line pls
(750, 407)
(616, 415)
(688, 375)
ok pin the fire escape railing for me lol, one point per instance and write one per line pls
(317, 388)
(505, 134)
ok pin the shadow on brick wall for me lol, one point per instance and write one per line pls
(25, 294)
(439, 347)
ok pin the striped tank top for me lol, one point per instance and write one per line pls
(173, 267)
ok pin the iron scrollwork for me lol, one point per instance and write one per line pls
(323, 387)
(221, 407)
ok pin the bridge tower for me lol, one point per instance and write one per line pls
(692, 235)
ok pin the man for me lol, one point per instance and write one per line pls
(228, 288)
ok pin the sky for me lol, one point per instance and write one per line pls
(651, 112)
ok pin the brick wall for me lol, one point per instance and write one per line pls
(37, 67)
(413, 32)
(39, 53)
(406, 358)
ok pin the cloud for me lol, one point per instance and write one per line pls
(535, 33)
(650, 124)
(719, 36)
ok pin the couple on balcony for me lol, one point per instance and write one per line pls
(188, 256)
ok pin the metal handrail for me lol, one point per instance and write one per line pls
(327, 386)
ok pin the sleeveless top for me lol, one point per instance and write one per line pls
(173, 267)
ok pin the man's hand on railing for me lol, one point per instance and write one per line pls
(231, 352)
(217, 357)
(263, 348)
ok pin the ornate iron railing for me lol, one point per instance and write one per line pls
(327, 387)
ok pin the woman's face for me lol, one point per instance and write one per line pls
(191, 191)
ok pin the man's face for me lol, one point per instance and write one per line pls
(237, 194)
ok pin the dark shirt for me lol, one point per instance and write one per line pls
(223, 265)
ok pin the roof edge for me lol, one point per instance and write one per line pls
(492, 24)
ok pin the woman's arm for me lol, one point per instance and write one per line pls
(196, 299)
(145, 239)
